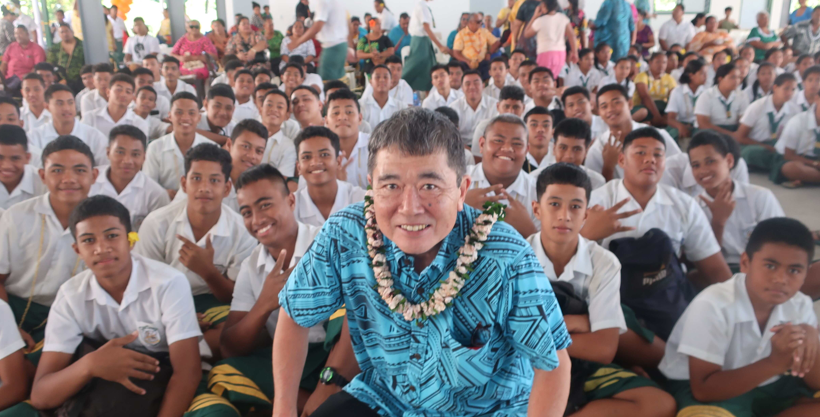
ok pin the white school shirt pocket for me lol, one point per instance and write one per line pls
(151, 336)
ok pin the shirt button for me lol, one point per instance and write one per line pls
(420, 291)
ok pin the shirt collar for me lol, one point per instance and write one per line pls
(719, 95)
(137, 182)
(221, 228)
(744, 312)
(519, 186)
(659, 198)
(580, 263)
(137, 283)
(169, 143)
(26, 184)
(43, 206)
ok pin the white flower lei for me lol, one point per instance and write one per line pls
(450, 288)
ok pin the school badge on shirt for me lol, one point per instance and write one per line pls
(149, 335)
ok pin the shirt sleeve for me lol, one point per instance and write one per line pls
(703, 105)
(705, 333)
(699, 240)
(458, 45)
(313, 291)
(754, 35)
(151, 167)
(789, 138)
(7, 235)
(287, 164)
(10, 340)
(321, 13)
(673, 106)
(751, 115)
(243, 250)
(243, 299)
(150, 244)
(534, 324)
(63, 332)
(178, 312)
(767, 205)
(605, 294)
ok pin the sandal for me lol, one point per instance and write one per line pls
(792, 184)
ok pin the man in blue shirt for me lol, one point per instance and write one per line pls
(399, 35)
(496, 348)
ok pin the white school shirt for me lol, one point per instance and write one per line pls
(30, 121)
(203, 125)
(611, 79)
(10, 339)
(118, 27)
(357, 170)
(402, 92)
(799, 100)
(78, 99)
(164, 162)
(595, 178)
(421, 15)
(800, 134)
(682, 101)
(162, 107)
(760, 114)
(92, 137)
(595, 276)
(162, 89)
(35, 251)
(91, 101)
(315, 81)
(30, 186)
(281, 153)
(678, 174)
(572, 76)
(522, 189)
(306, 211)
(141, 196)
(598, 126)
(493, 91)
(141, 46)
(231, 241)
(607, 70)
(595, 155)
(469, 118)
(670, 210)
(334, 14)
(719, 326)
(101, 120)
(244, 111)
(529, 104)
(230, 200)
(676, 73)
(387, 19)
(711, 103)
(373, 114)
(752, 96)
(677, 33)
(435, 100)
(254, 272)
(753, 204)
(220, 79)
(156, 127)
(157, 303)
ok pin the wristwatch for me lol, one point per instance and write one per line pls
(329, 376)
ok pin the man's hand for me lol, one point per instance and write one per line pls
(445, 50)
(476, 197)
(602, 223)
(275, 281)
(787, 338)
(577, 323)
(806, 354)
(683, 131)
(517, 216)
(113, 362)
(197, 259)
(723, 205)
(319, 396)
(612, 149)
(28, 340)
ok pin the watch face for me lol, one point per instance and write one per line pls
(326, 375)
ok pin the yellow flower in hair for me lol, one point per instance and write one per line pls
(133, 238)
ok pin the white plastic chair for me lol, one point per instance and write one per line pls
(404, 53)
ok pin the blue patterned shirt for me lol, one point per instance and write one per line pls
(477, 357)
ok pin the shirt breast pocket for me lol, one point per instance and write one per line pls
(473, 361)
(152, 336)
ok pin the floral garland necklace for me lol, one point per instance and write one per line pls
(449, 288)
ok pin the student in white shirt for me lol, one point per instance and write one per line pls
(498, 77)
(540, 123)
(117, 111)
(99, 97)
(343, 118)
(144, 106)
(307, 107)
(60, 101)
(619, 74)
(123, 299)
(36, 257)
(151, 62)
(687, 58)
(474, 106)
(763, 83)
(267, 210)
(217, 122)
(124, 180)
(803, 62)
(87, 76)
(141, 43)
(12, 362)
(576, 103)
(732, 207)
(741, 346)
(678, 172)
(510, 101)
(499, 175)
(797, 160)
(543, 90)
(243, 89)
(292, 75)
(259, 93)
(19, 181)
(594, 275)
(603, 59)
(676, 30)
(582, 74)
(319, 162)
(572, 141)
(469, 158)
(201, 237)
(170, 85)
(441, 94)
(764, 121)
(143, 77)
(775, 56)
(34, 112)
(719, 58)
(517, 57)
(811, 85)
(165, 156)
(279, 150)
(680, 111)
(720, 107)
(230, 69)
(380, 106)
(613, 106)
(400, 90)
(647, 204)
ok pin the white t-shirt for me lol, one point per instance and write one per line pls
(720, 327)
(421, 15)
(333, 13)
(141, 46)
(682, 101)
(101, 120)
(92, 137)
(387, 19)
(141, 196)
(760, 115)
(573, 76)
(373, 114)
(468, 118)
(712, 103)
(550, 30)
(677, 33)
(799, 134)
(10, 339)
(306, 211)
(281, 153)
(30, 186)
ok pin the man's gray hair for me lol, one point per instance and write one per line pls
(419, 132)
(505, 118)
(762, 13)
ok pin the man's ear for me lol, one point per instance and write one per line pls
(228, 144)
(745, 263)
(621, 160)
(183, 184)
(462, 189)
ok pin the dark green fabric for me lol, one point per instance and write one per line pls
(765, 401)
(419, 62)
(275, 44)
(214, 310)
(776, 170)
(34, 323)
(23, 409)
(609, 380)
(757, 156)
(633, 324)
(332, 62)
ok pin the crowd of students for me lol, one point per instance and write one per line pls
(146, 232)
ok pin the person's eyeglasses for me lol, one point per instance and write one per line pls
(193, 27)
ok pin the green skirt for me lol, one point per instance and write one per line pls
(421, 60)
(757, 156)
(34, 323)
(332, 62)
(768, 400)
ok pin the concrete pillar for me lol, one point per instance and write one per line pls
(95, 42)
(221, 12)
(176, 12)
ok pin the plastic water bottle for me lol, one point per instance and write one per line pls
(416, 99)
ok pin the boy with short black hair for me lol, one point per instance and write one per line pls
(243, 86)
(797, 160)
(20, 180)
(170, 85)
(144, 107)
(380, 105)
(262, 76)
(540, 123)
(143, 77)
(498, 77)
(99, 97)
(259, 93)
(201, 237)
(87, 76)
(10, 112)
(511, 100)
(124, 180)
(749, 346)
(35, 249)
(343, 118)
(216, 122)
(572, 139)
(227, 77)
(293, 76)
(34, 112)
(594, 276)
(456, 70)
(441, 94)
(543, 90)
(117, 111)
(279, 150)
(307, 106)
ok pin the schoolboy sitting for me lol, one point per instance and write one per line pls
(572, 140)
(20, 180)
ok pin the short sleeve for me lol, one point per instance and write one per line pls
(150, 244)
(605, 294)
(63, 332)
(7, 236)
(314, 289)
(178, 312)
(151, 167)
(673, 106)
(705, 334)
(243, 250)
(751, 115)
(458, 45)
(243, 299)
(767, 205)
(642, 78)
(789, 138)
(491, 39)
(754, 35)
(699, 240)
(534, 323)
(321, 12)
(703, 106)
(10, 339)
(536, 25)
(129, 47)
